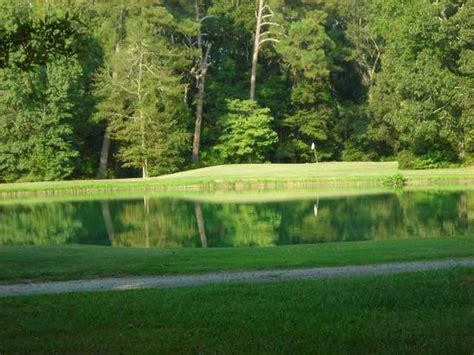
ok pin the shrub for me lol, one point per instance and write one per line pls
(395, 181)
(406, 160)
(247, 135)
(435, 160)
(351, 153)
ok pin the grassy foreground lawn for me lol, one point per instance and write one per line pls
(258, 176)
(408, 313)
(75, 262)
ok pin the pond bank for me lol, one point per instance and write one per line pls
(253, 177)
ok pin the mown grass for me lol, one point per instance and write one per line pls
(34, 263)
(428, 312)
(255, 176)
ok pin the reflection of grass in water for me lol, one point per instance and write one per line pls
(69, 262)
(231, 196)
(429, 312)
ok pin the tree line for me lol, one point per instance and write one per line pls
(100, 88)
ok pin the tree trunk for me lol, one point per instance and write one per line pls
(201, 72)
(143, 144)
(105, 152)
(104, 156)
(141, 117)
(256, 49)
(145, 159)
(200, 222)
(198, 123)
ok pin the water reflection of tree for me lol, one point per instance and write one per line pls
(109, 226)
(175, 223)
(163, 223)
(39, 224)
(52, 223)
(242, 224)
(380, 217)
(200, 223)
(298, 224)
(470, 213)
(169, 223)
(434, 213)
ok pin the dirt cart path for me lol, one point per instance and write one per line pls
(128, 283)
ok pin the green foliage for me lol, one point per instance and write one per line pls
(395, 181)
(306, 51)
(42, 84)
(408, 160)
(247, 136)
(141, 97)
(45, 101)
(420, 92)
(352, 153)
(363, 80)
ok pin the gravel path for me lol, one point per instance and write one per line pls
(128, 283)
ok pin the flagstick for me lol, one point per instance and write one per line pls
(313, 148)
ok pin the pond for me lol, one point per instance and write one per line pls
(237, 219)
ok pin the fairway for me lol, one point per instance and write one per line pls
(85, 262)
(256, 176)
(290, 171)
(429, 312)
(324, 170)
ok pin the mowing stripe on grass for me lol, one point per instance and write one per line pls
(128, 283)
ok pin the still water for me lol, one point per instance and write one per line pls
(196, 221)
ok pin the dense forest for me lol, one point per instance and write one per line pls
(123, 88)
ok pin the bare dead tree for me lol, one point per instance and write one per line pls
(200, 72)
(264, 16)
(370, 52)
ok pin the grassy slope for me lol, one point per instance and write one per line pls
(74, 262)
(254, 175)
(408, 313)
(331, 171)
